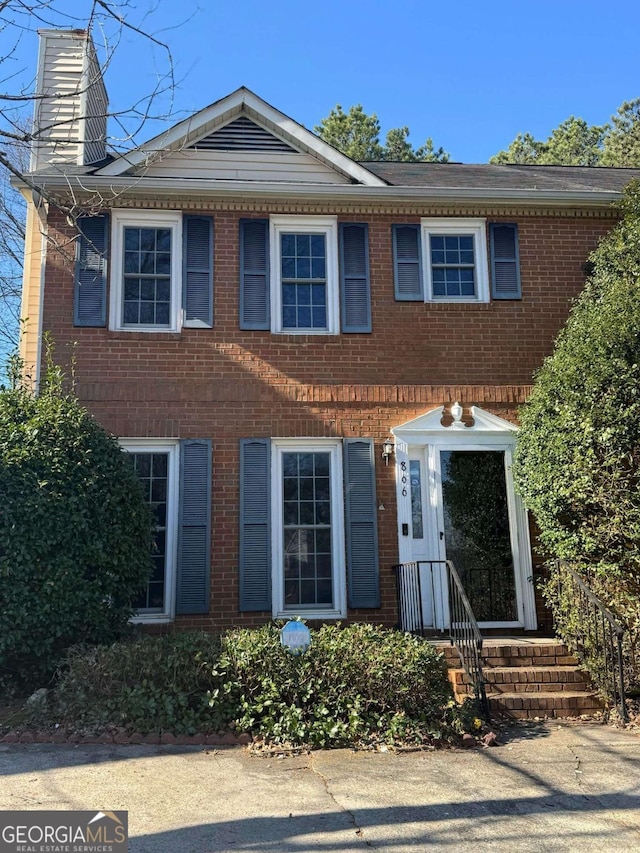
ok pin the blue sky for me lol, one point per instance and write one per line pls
(470, 74)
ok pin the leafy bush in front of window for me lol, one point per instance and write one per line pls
(75, 531)
(358, 684)
(145, 685)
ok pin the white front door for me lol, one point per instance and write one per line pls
(463, 510)
(456, 501)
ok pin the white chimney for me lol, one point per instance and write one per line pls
(70, 115)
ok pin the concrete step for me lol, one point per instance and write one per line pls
(527, 678)
(563, 704)
(512, 652)
(548, 654)
(532, 679)
(450, 653)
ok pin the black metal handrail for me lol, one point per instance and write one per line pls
(464, 633)
(592, 632)
(466, 636)
(409, 597)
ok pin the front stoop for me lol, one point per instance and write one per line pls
(529, 678)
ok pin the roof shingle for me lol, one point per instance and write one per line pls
(489, 176)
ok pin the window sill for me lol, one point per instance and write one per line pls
(139, 335)
(456, 300)
(318, 615)
(463, 303)
(312, 333)
(154, 330)
(151, 619)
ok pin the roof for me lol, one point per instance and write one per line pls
(210, 130)
(511, 177)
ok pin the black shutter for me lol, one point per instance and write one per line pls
(505, 261)
(90, 289)
(355, 298)
(254, 274)
(197, 271)
(407, 263)
(363, 582)
(194, 533)
(255, 524)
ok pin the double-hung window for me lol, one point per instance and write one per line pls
(146, 270)
(308, 529)
(156, 464)
(445, 260)
(304, 270)
(303, 266)
(455, 253)
(308, 526)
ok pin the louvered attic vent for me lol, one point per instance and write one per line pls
(241, 135)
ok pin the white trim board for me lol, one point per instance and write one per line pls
(172, 448)
(120, 219)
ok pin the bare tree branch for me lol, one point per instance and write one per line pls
(106, 21)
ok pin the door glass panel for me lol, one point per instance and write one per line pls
(416, 499)
(476, 530)
(416, 583)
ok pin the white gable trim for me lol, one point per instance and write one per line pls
(429, 426)
(221, 112)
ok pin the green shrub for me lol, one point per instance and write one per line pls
(75, 531)
(588, 638)
(146, 684)
(356, 684)
(577, 461)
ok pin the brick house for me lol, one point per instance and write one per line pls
(316, 363)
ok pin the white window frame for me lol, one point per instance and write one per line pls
(477, 228)
(120, 219)
(172, 448)
(327, 225)
(339, 572)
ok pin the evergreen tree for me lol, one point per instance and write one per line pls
(357, 134)
(576, 143)
(578, 454)
(75, 530)
(622, 142)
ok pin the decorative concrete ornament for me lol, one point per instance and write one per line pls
(456, 413)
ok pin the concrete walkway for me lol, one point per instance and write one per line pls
(547, 788)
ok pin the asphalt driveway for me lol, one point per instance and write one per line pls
(547, 788)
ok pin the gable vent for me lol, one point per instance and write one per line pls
(241, 135)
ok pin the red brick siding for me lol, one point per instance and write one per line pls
(227, 384)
